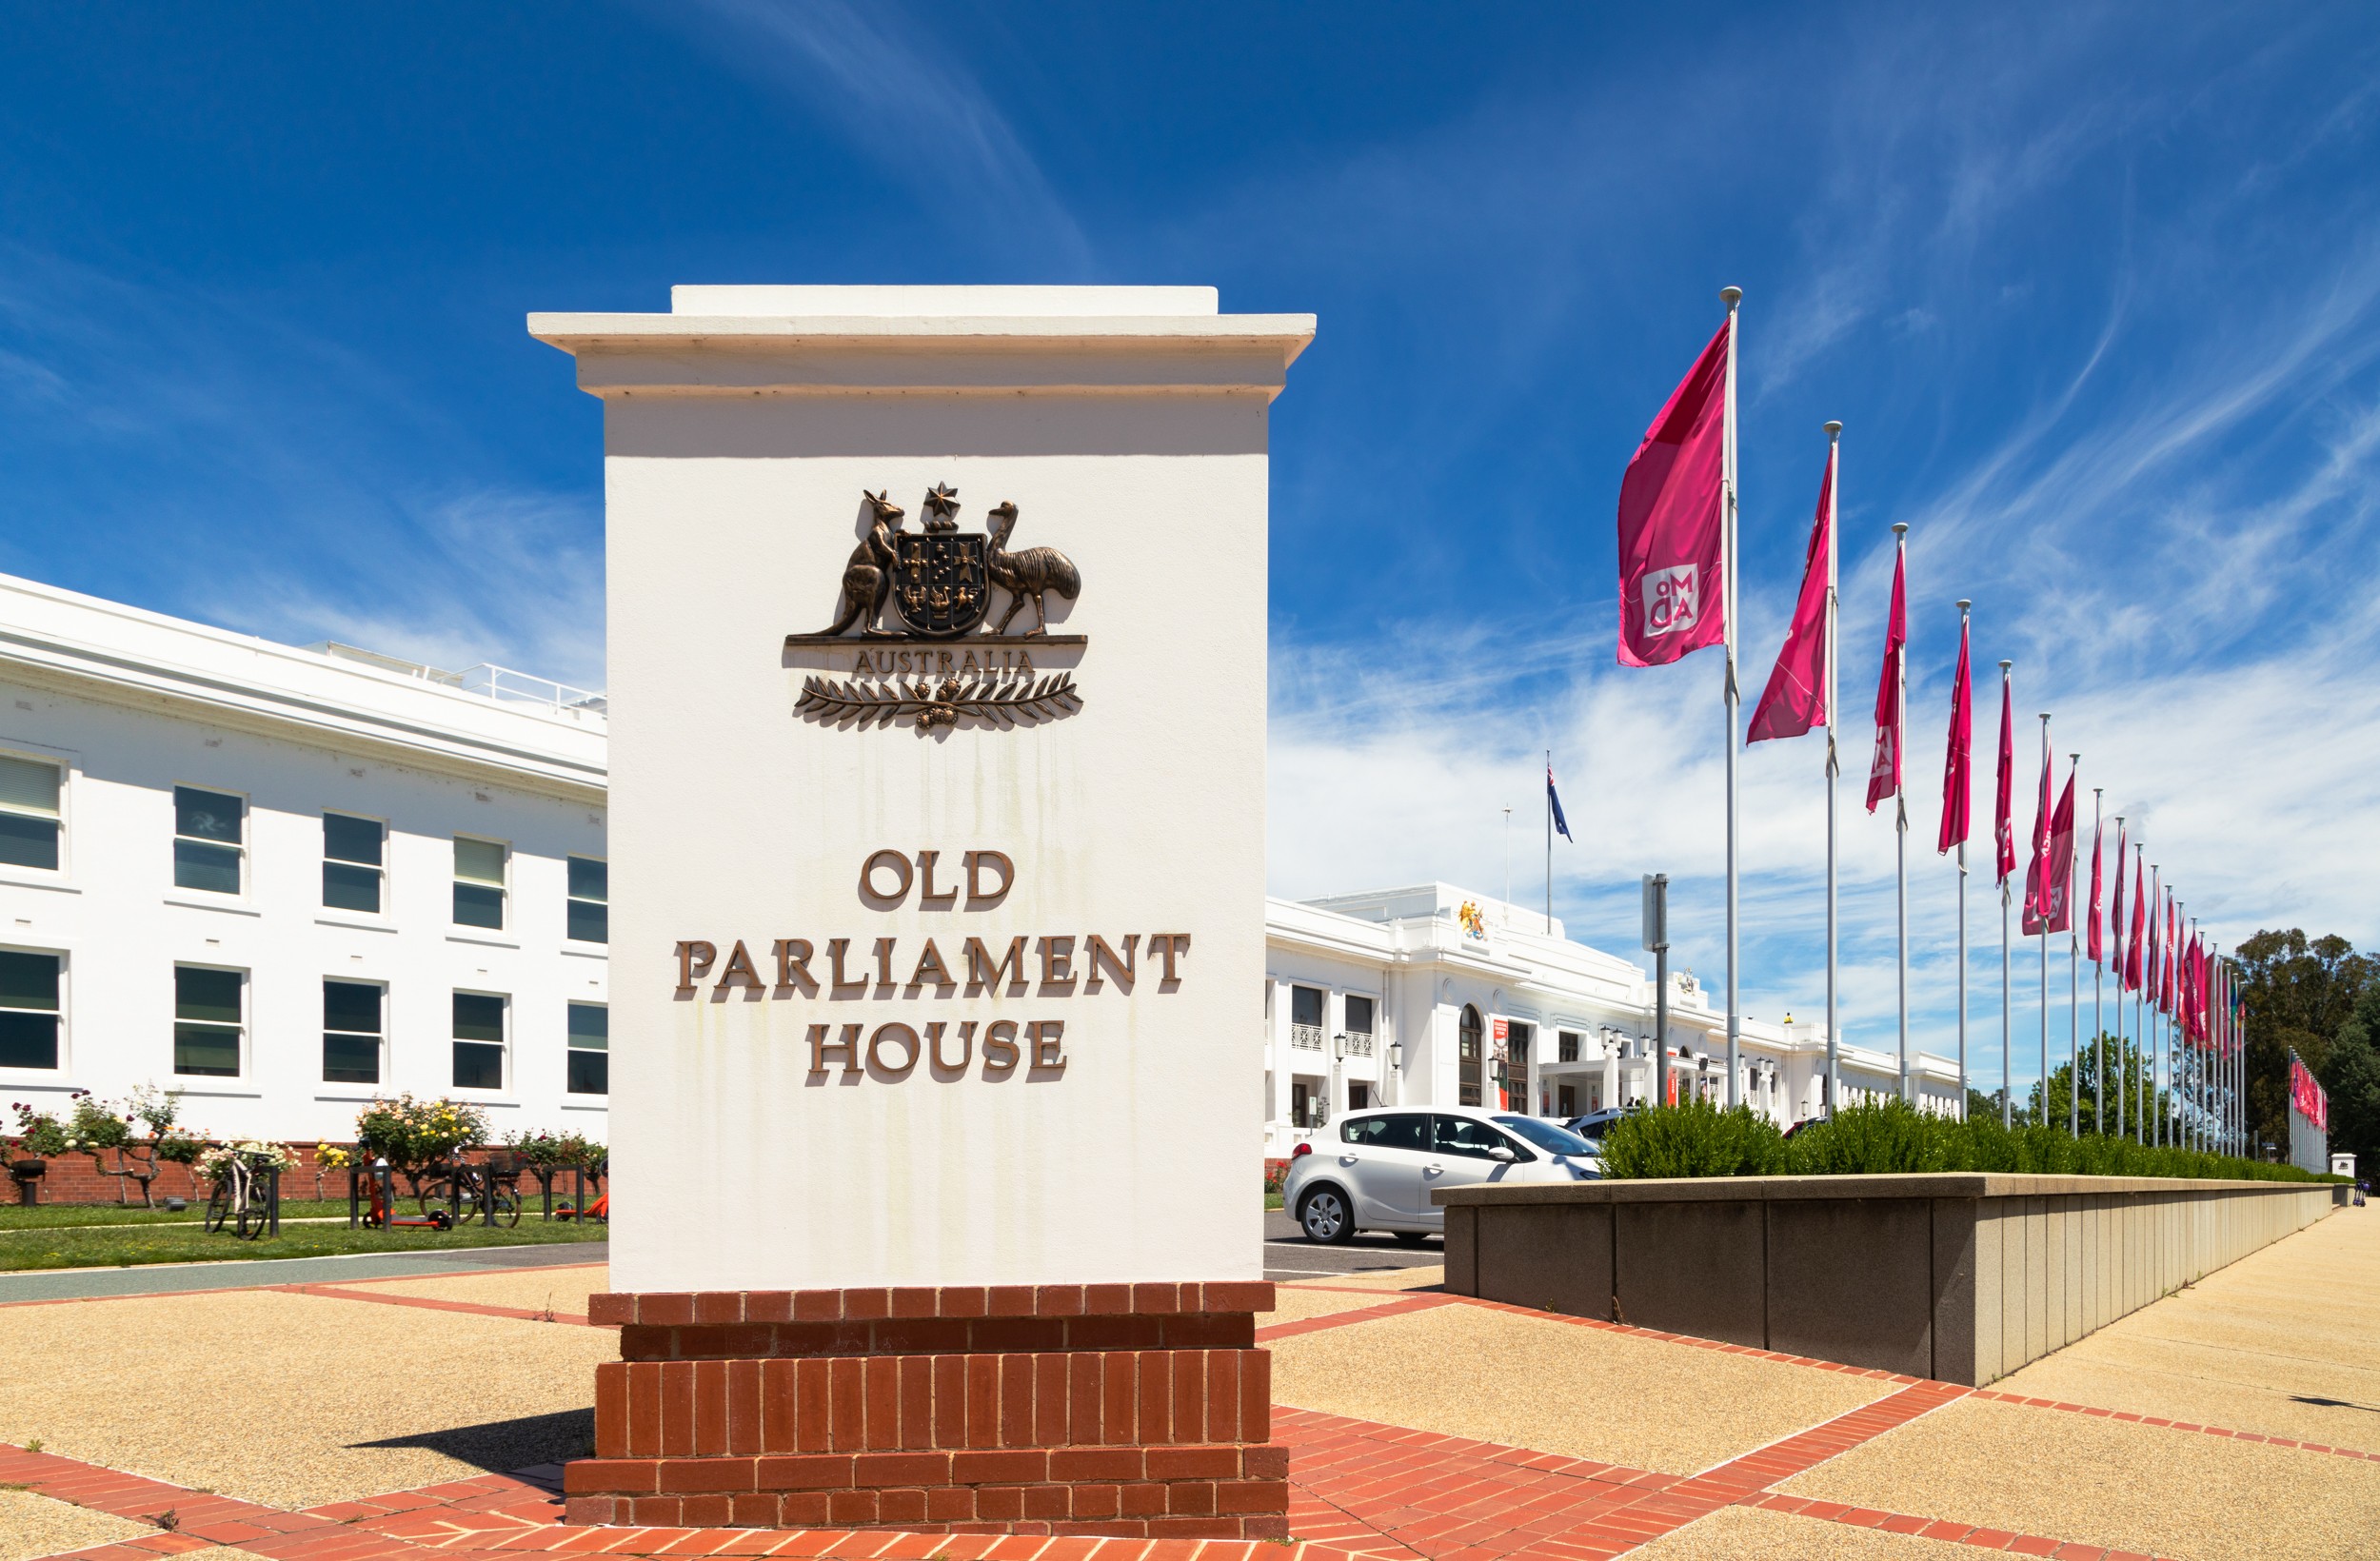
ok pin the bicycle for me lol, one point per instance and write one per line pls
(463, 1192)
(241, 1199)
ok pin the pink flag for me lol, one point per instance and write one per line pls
(1795, 697)
(2095, 950)
(2035, 897)
(2115, 915)
(2166, 952)
(1957, 786)
(1884, 770)
(2058, 892)
(2155, 963)
(2134, 975)
(1670, 597)
(2004, 806)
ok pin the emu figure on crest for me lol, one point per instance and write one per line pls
(1027, 574)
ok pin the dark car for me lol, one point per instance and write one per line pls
(1596, 1124)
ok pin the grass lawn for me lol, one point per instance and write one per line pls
(15, 1217)
(1272, 1200)
(124, 1243)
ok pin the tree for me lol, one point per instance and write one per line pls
(2298, 993)
(2124, 1080)
(2350, 1076)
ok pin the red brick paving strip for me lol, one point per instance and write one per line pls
(340, 1293)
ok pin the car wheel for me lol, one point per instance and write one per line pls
(1325, 1217)
(1412, 1238)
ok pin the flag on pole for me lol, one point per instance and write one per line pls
(2096, 949)
(1884, 770)
(2004, 806)
(1795, 699)
(2165, 955)
(2115, 913)
(1958, 786)
(1670, 597)
(2057, 908)
(2036, 898)
(2132, 974)
(1553, 800)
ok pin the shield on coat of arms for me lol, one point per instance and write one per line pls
(941, 583)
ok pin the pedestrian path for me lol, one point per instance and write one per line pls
(170, 1278)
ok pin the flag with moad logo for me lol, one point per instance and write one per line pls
(2049, 899)
(2135, 973)
(2004, 792)
(1884, 770)
(1795, 699)
(1670, 597)
(2096, 951)
(1955, 784)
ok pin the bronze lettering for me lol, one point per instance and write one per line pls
(902, 1036)
(928, 899)
(868, 891)
(883, 967)
(1097, 951)
(1000, 1046)
(843, 986)
(848, 1045)
(967, 1046)
(694, 960)
(930, 970)
(1057, 963)
(1049, 1050)
(1168, 946)
(984, 973)
(977, 860)
(739, 969)
(793, 966)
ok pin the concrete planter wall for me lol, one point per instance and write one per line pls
(1957, 1277)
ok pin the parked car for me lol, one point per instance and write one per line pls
(1596, 1124)
(1376, 1171)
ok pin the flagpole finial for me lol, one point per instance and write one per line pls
(1731, 296)
(1900, 528)
(1964, 604)
(2005, 665)
(1833, 427)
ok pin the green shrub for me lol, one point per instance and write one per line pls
(1698, 1140)
(1694, 1139)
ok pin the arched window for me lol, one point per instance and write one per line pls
(1467, 1058)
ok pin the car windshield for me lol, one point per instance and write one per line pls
(1549, 1136)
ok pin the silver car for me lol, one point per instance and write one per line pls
(1377, 1170)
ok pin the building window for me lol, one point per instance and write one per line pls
(590, 901)
(352, 1033)
(1517, 1050)
(1467, 1058)
(28, 1009)
(210, 840)
(479, 883)
(1566, 1046)
(479, 1040)
(29, 813)
(1300, 1104)
(1305, 1018)
(1358, 1095)
(1359, 1026)
(208, 1021)
(590, 1049)
(353, 862)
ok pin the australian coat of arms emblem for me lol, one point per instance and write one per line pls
(936, 586)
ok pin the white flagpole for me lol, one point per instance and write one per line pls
(2074, 986)
(2041, 921)
(1900, 808)
(1549, 842)
(1834, 761)
(2008, 1075)
(1962, 884)
(1731, 297)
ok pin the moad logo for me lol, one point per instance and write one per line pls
(1672, 600)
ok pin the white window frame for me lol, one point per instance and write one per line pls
(65, 1007)
(456, 880)
(385, 835)
(567, 1048)
(248, 811)
(569, 899)
(66, 778)
(504, 1068)
(245, 1025)
(325, 1032)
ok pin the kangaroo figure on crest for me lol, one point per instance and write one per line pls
(867, 578)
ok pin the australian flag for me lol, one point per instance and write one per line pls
(1553, 800)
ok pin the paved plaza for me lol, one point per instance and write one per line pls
(412, 1417)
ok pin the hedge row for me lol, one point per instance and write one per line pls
(1700, 1139)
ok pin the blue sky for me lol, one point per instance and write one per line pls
(2096, 291)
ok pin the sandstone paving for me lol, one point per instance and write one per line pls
(564, 1290)
(34, 1525)
(1293, 1304)
(1733, 1533)
(295, 1400)
(2274, 1344)
(2078, 1477)
(1559, 1387)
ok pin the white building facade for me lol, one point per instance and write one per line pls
(1433, 995)
(283, 882)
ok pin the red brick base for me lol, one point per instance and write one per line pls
(1141, 1411)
